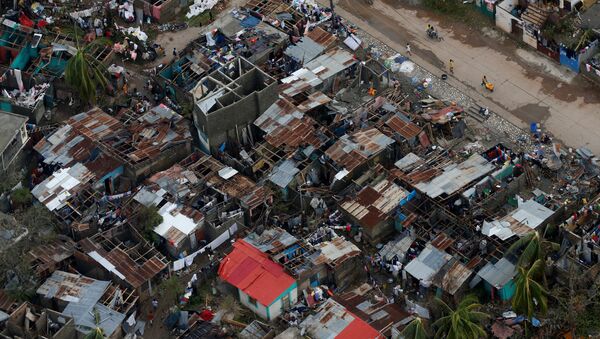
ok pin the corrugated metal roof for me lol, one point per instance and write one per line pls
(407, 161)
(374, 204)
(428, 263)
(271, 240)
(335, 252)
(283, 174)
(456, 176)
(254, 273)
(71, 287)
(135, 271)
(335, 321)
(397, 248)
(528, 216)
(331, 63)
(406, 129)
(498, 274)
(285, 125)
(455, 277)
(350, 151)
(57, 189)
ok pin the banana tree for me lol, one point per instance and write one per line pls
(85, 74)
(464, 322)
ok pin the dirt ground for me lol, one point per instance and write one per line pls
(529, 86)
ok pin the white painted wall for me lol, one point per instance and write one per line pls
(504, 17)
(274, 309)
(259, 309)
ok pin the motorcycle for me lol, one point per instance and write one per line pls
(173, 27)
(433, 34)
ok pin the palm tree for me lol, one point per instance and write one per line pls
(534, 247)
(462, 323)
(96, 332)
(86, 74)
(414, 330)
(529, 293)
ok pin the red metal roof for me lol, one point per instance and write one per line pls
(358, 329)
(254, 273)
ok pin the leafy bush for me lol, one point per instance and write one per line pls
(21, 197)
(148, 219)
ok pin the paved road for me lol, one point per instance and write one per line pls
(529, 87)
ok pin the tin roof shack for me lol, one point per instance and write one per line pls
(76, 142)
(223, 183)
(452, 178)
(427, 264)
(353, 153)
(29, 321)
(335, 321)
(56, 255)
(340, 258)
(312, 44)
(228, 101)
(122, 255)
(373, 307)
(374, 207)
(292, 138)
(263, 286)
(13, 137)
(528, 216)
(151, 141)
(81, 297)
(497, 279)
(182, 227)
(327, 73)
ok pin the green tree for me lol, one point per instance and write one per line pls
(148, 218)
(21, 197)
(534, 247)
(172, 287)
(96, 332)
(85, 74)
(529, 293)
(462, 323)
(414, 330)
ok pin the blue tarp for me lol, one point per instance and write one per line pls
(249, 22)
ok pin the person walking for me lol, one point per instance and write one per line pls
(484, 81)
(451, 66)
(150, 317)
(154, 304)
(408, 49)
(175, 52)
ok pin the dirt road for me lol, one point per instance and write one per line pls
(529, 87)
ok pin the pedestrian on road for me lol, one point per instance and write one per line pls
(451, 66)
(174, 52)
(154, 304)
(484, 81)
(150, 317)
(408, 49)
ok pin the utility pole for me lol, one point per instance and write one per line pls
(333, 17)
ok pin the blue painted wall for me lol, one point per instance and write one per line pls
(572, 63)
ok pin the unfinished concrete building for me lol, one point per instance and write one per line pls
(228, 101)
(29, 321)
(13, 137)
